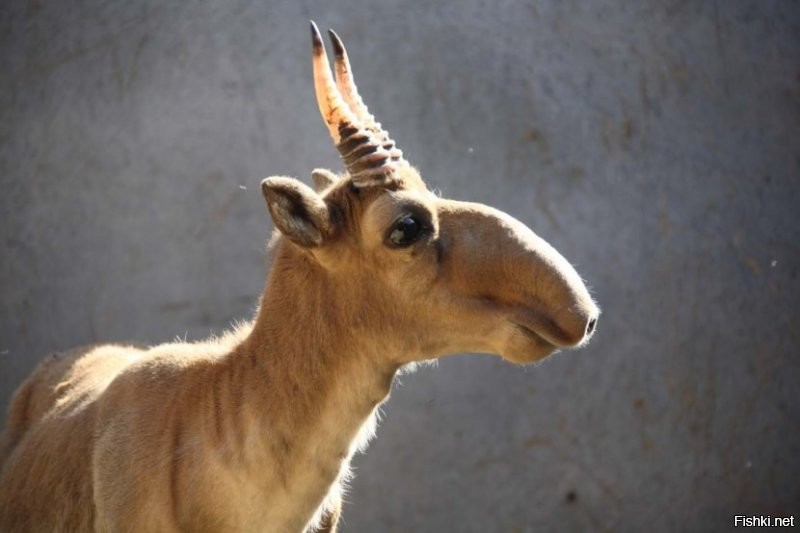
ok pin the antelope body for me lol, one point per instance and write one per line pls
(254, 431)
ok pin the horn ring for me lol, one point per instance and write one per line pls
(365, 148)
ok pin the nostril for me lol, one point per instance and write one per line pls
(590, 326)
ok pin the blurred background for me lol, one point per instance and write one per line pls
(656, 144)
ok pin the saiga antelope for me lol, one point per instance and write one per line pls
(254, 431)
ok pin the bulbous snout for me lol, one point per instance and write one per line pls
(528, 284)
(560, 308)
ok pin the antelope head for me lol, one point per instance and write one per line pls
(427, 275)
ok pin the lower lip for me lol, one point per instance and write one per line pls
(533, 335)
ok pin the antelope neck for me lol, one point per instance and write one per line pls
(320, 378)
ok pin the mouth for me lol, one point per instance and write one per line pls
(541, 326)
(531, 334)
(526, 345)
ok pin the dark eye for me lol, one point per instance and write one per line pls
(405, 231)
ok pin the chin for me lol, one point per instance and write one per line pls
(528, 357)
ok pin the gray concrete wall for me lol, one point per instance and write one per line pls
(655, 144)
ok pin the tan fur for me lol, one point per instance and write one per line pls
(254, 431)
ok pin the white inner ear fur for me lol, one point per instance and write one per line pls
(297, 211)
(294, 227)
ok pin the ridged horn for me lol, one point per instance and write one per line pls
(347, 88)
(368, 153)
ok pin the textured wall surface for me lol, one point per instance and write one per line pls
(656, 144)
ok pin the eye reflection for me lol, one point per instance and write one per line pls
(406, 231)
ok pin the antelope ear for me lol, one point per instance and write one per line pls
(297, 211)
(323, 178)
